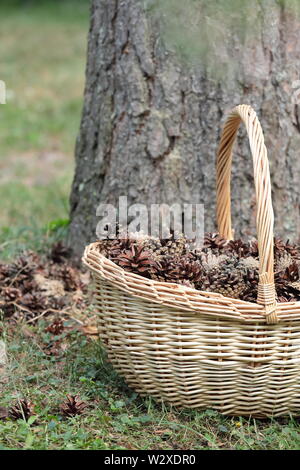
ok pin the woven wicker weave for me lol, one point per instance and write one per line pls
(200, 349)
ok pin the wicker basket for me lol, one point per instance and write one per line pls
(200, 349)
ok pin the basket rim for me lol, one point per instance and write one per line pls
(182, 297)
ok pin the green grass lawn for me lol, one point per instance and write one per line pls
(42, 50)
(117, 418)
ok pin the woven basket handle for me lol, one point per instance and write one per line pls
(265, 215)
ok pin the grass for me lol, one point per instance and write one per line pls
(117, 418)
(43, 49)
(43, 53)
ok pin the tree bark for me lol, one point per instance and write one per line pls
(151, 126)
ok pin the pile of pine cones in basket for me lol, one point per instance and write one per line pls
(227, 267)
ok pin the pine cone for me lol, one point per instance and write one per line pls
(4, 273)
(73, 406)
(234, 277)
(57, 303)
(138, 261)
(226, 280)
(214, 241)
(291, 274)
(283, 261)
(249, 293)
(59, 253)
(294, 289)
(11, 294)
(253, 248)
(112, 248)
(284, 292)
(56, 327)
(284, 281)
(154, 246)
(22, 409)
(281, 248)
(181, 269)
(34, 301)
(229, 285)
(211, 262)
(29, 286)
(293, 250)
(239, 248)
(177, 245)
(69, 277)
(23, 267)
(249, 263)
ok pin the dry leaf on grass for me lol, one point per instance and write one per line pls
(90, 330)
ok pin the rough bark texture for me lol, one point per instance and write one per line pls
(150, 127)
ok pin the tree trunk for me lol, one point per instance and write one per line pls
(150, 126)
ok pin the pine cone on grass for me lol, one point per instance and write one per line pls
(11, 294)
(68, 276)
(34, 301)
(56, 327)
(22, 409)
(58, 303)
(29, 286)
(4, 273)
(23, 267)
(59, 252)
(73, 406)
